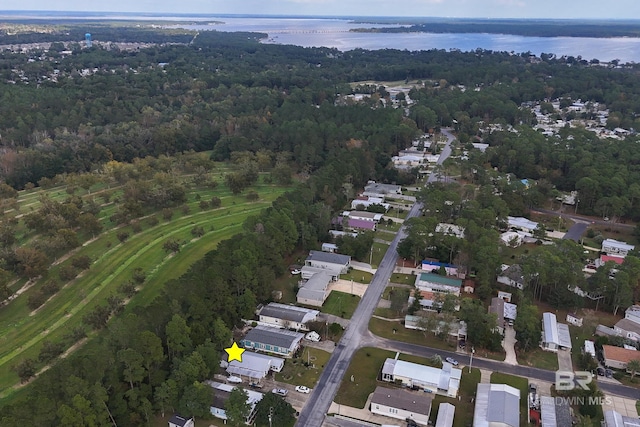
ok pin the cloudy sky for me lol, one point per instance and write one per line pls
(615, 9)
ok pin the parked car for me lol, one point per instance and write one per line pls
(451, 360)
(302, 389)
(312, 336)
(600, 371)
(296, 271)
(280, 391)
(608, 373)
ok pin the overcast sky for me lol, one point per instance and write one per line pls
(615, 9)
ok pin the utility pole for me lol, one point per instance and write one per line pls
(473, 350)
(270, 415)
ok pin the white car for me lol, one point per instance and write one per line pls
(280, 391)
(296, 271)
(303, 389)
(451, 360)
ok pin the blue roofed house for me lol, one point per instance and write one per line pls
(271, 340)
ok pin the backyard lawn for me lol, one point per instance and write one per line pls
(358, 276)
(465, 404)
(404, 279)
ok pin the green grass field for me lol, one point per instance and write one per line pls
(341, 304)
(23, 331)
(295, 372)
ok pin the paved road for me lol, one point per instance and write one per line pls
(586, 219)
(321, 397)
(575, 232)
(492, 365)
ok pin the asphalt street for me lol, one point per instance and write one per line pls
(575, 232)
(317, 406)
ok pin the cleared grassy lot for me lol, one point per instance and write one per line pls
(341, 304)
(306, 369)
(22, 331)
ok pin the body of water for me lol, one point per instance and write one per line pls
(335, 33)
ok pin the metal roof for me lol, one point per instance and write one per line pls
(616, 419)
(628, 326)
(255, 365)
(521, 222)
(497, 403)
(548, 411)
(320, 256)
(272, 336)
(179, 420)
(564, 336)
(550, 328)
(289, 312)
(419, 403)
(442, 280)
(447, 378)
(446, 412)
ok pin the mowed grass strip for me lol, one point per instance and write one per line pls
(111, 269)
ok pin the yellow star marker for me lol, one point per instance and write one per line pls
(235, 353)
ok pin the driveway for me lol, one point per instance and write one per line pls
(508, 343)
(564, 361)
(576, 231)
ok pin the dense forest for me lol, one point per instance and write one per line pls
(232, 96)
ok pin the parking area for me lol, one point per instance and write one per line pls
(296, 399)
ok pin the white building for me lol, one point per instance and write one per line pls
(180, 421)
(446, 413)
(616, 419)
(430, 285)
(221, 394)
(254, 366)
(333, 264)
(555, 336)
(511, 275)
(287, 316)
(445, 381)
(314, 291)
(450, 230)
(497, 405)
(521, 223)
(590, 348)
(401, 404)
(616, 248)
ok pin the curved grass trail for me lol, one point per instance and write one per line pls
(21, 334)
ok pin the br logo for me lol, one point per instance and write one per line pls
(567, 380)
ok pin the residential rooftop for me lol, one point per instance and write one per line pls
(419, 403)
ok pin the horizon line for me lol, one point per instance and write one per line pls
(302, 16)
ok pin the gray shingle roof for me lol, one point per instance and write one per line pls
(418, 403)
(272, 336)
(288, 312)
(328, 257)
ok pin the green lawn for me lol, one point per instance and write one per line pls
(358, 276)
(386, 329)
(404, 279)
(341, 304)
(539, 359)
(379, 250)
(297, 373)
(22, 332)
(638, 407)
(365, 368)
(465, 405)
(521, 384)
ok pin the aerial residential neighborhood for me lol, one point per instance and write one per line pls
(233, 213)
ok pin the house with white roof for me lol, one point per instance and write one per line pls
(287, 316)
(278, 341)
(375, 189)
(616, 248)
(629, 327)
(521, 223)
(445, 381)
(616, 419)
(446, 413)
(254, 366)
(497, 405)
(180, 421)
(555, 336)
(450, 230)
(589, 348)
(331, 263)
(315, 290)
